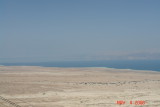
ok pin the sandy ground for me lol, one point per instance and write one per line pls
(30, 86)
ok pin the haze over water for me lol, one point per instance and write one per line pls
(85, 30)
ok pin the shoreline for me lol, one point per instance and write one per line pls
(146, 65)
(79, 67)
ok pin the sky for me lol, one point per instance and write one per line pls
(61, 30)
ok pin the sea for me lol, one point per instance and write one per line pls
(152, 65)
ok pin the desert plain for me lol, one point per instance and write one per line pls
(35, 86)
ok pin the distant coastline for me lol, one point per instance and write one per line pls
(149, 65)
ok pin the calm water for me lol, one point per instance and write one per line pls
(127, 64)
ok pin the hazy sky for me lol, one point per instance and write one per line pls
(49, 30)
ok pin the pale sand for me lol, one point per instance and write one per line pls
(30, 86)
